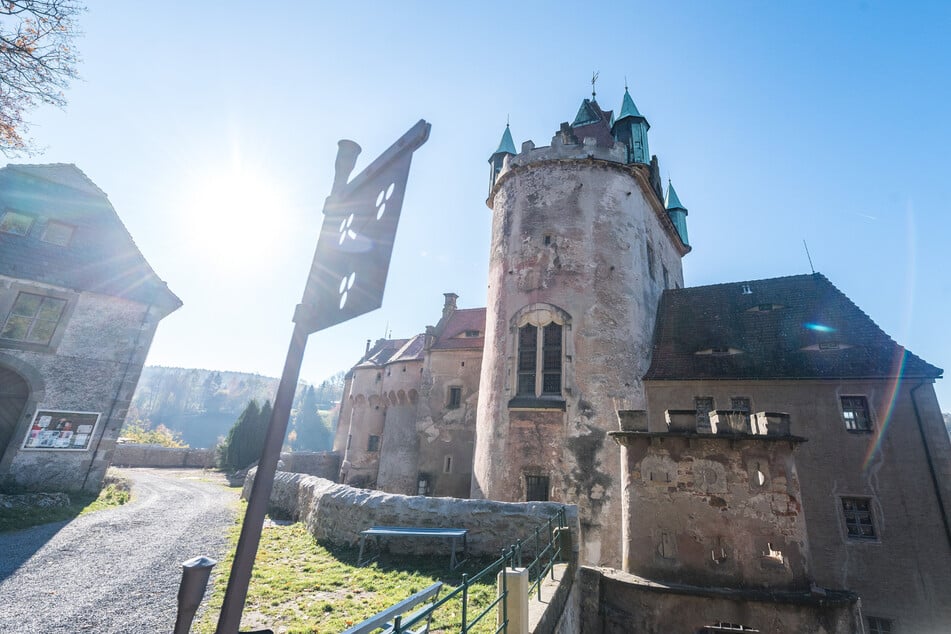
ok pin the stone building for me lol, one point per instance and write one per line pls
(587, 315)
(78, 308)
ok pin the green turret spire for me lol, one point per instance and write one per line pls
(676, 212)
(631, 128)
(628, 109)
(506, 145)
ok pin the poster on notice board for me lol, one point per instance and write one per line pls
(61, 431)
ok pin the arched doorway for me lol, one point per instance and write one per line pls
(14, 393)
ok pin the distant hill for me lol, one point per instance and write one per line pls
(202, 405)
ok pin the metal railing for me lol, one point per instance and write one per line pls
(545, 547)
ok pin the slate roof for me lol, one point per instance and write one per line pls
(594, 122)
(783, 328)
(459, 322)
(101, 257)
(382, 351)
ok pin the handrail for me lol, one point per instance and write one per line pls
(545, 558)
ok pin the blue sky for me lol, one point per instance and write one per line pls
(213, 128)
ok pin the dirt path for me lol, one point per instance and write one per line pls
(116, 570)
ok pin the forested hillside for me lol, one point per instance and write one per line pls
(202, 405)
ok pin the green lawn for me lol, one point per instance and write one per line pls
(114, 494)
(300, 586)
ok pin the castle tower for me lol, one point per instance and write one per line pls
(582, 248)
(677, 212)
(506, 148)
(631, 129)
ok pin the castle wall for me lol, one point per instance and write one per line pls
(902, 573)
(570, 236)
(447, 435)
(336, 513)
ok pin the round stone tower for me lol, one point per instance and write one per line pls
(582, 249)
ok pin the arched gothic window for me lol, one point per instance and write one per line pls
(540, 351)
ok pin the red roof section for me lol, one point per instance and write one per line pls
(453, 336)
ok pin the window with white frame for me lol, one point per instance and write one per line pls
(33, 318)
(855, 413)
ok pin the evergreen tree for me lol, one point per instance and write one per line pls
(313, 434)
(245, 441)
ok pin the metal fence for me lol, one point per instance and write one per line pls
(543, 546)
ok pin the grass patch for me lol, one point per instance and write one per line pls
(299, 586)
(115, 493)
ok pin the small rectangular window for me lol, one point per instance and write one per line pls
(703, 405)
(536, 488)
(16, 223)
(57, 233)
(666, 278)
(472, 333)
(740, 404)
(373, 443)
(33, 318)
(858, 518)
(455, 398)
(855, 413)
(447, 464)
(650, 260)
(878, 625)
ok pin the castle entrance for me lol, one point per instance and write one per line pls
(14, 393)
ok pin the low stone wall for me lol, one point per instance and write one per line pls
(336, 513)
(323, 464)
(132, 455)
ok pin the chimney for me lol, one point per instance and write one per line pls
(450, 306)
(367, 351)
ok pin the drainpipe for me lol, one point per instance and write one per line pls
(931, 468)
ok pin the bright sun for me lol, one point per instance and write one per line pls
(234, 215)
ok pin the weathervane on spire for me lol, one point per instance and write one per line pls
(594, 78)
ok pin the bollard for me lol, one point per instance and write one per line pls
(195, 573)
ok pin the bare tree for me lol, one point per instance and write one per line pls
(37, 61)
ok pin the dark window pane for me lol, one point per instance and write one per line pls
(551, 383)
(855, 413)
(526, 383)
(858, 518)
(536, 488)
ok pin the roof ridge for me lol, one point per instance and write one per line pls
(82, 174)
(803, 276)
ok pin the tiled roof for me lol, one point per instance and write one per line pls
(101, 256)
(382, 351)
(412, 351)
(453, 334)
(783, 328)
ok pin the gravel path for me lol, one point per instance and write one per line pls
(116, 570)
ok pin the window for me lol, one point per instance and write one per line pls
(740, 404)
(472, 333)
(536, 488)
(33, 318)
(858, 518)
(703, 405)
(455, 398)
(549, 354)
(666, 278)
(373, 443)
(650, 260)
(447, 464)
(57, 233)
(16, 223)
(855, 413)
(878, 625)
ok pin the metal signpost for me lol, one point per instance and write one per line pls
(346, 279)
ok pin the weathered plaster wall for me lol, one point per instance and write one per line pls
(337, 513)
(94, 367)
(598, 219)
(448, 433)
(617, 602)
(714, 511)
(904, 573)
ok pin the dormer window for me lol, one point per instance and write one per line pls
(718, 351)
(826, 346)
(764, 308)
(472, 333)
(16, 223)
(57, 233)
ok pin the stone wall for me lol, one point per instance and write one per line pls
(323, 464)
(614, 602)
(134, 455)
(336, 513)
